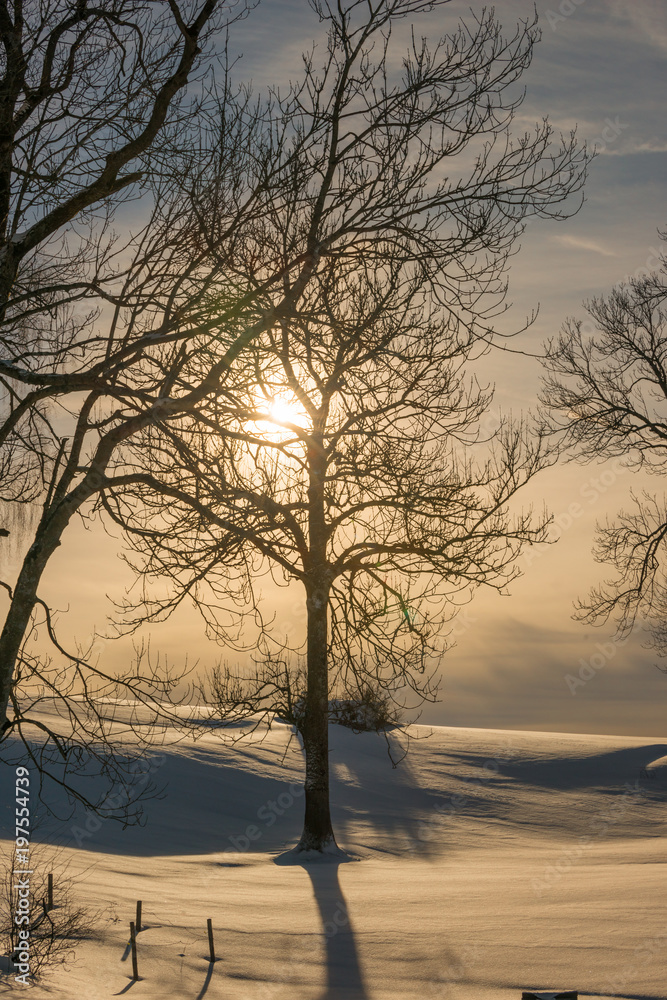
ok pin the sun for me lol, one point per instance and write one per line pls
(276, 412)
(284, 413)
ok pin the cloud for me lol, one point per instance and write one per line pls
(650, 16)
(653, 145)
(582, 244)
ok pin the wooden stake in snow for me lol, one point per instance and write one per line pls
(49, 892)
(133, 945)
(138, 915)
(211, 949)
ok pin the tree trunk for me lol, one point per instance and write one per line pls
(20, 610)
(317, 830)
(47, 540)
(48, 536)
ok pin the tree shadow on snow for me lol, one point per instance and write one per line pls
(239, 802)
(345, 979)
(368, 792)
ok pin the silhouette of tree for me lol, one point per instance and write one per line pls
(252, 207)
(606, 397)
(409, 273)
(93, 104)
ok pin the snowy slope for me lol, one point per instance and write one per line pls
(490, 862)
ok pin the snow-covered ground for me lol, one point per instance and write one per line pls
(490, 862)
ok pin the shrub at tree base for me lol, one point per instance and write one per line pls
(369, 711)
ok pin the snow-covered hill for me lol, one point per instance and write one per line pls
(490, 862)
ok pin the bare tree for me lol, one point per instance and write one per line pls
(349, 168)
(606, 397)
(112, 372)
(408, 263)
(336, 462)
(360, 701)
(85, 92)
(93, 104)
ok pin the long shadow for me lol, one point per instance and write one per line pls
(258, 806)
(207, 981)
(345, 979)
(126, 988)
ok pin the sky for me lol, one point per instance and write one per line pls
(520, 661)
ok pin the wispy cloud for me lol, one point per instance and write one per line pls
(582, 244)
(653, 145)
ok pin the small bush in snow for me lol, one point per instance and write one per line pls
(368, 709)
(53, 932)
